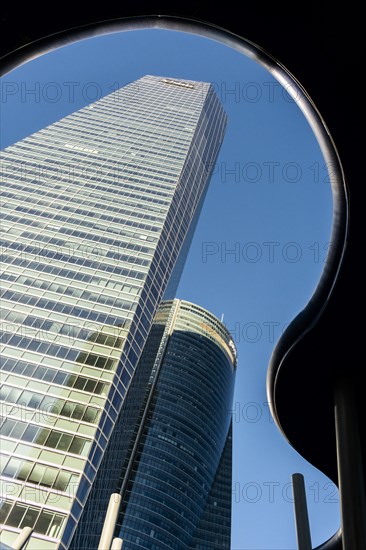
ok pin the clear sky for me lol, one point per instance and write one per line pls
(259, 247)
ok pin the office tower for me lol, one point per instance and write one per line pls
(170, 455)
(96, 210)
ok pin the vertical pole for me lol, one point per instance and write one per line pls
(110, 522)
(117, 544)
(350, 469)
(301, 512)
(23, 537)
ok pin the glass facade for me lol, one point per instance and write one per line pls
(214, 529)
(95, 211)
(170, 456)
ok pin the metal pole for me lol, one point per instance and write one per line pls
(117, 544)
(301, 513)
(23, 537)
(110, 522)
(350, 470)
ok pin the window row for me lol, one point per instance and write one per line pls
(43, 252)
(145, 143)
(92, 334)
(38, 474)
(51, 305)
(67, 273)
(75, 292)
(124, 145)
(38, 372)
(66, 152)
(20, 515)
(153, 526)
(74, 200)
(170, 466)
(74, 221)
(53, 439)
(144, 183)
(146, 202)
(159, 502)
(172, 136)
(107, 240)
(89, 214)
(113, 178)
(62, 352)
(49, 405)
(169, 116)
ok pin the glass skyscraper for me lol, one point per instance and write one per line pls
(96, 209)
(170, 455)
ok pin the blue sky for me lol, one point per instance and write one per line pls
(259, 247)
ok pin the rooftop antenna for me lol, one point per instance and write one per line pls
(222, 317)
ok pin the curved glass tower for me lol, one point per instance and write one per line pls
(174, 443)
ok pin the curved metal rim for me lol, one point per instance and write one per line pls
(309, 316)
